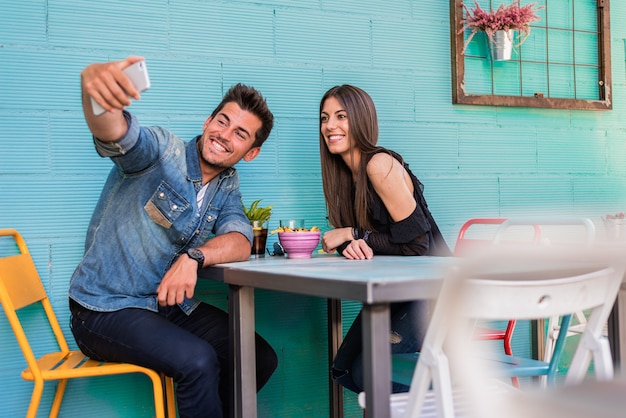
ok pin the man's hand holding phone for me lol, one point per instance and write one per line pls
(115, 83)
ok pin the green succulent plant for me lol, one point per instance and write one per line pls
(256, 213)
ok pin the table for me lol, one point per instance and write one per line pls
(376, 283)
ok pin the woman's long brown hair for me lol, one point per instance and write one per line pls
(336, 176)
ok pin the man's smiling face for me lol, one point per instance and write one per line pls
(228, 138)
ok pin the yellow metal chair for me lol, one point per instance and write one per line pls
(20, 286)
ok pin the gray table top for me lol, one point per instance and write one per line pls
(379, 280)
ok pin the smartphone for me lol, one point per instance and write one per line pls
(138, 74)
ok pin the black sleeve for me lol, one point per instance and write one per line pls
(437, 244)
(381, 244)
(343, 246)
(409, 236)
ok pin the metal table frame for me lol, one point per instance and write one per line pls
(376, 283)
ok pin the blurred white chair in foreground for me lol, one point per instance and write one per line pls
(562, 231)
(530, 284)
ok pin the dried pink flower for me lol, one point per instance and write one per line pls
(511, 17)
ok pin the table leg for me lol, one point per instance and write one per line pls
(335, 335)
(539, 326)
(241, 310)
(376, 360)
(617, 331)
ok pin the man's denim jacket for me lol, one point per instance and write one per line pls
(147, 216)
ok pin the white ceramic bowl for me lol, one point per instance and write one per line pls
(299, 244)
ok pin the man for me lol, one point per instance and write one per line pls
(167, 208)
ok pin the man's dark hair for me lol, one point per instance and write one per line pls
(251, 100)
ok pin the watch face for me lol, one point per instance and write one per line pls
(196, 254)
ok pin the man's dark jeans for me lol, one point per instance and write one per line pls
(193, 349)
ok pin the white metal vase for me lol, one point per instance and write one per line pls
(501, 45)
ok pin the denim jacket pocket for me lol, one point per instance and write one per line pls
(165, 206)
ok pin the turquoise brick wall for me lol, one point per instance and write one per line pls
(474, 161)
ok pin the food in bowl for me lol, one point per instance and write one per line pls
(299, 244)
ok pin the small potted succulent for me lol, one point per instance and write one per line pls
(259, 217)
(499, 24)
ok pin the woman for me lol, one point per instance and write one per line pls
(376, 206)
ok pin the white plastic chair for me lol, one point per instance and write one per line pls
(525, 285)
(567, 232)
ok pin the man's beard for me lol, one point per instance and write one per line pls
(213, 165)
(200, 148)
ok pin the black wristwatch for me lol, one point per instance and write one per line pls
(197, 255)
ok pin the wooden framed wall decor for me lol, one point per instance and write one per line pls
(565, 63)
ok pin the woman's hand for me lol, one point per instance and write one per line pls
(358, 249)
(335, 237)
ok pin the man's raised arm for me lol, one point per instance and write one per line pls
(112, 89)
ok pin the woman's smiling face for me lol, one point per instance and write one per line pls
(335, 127)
